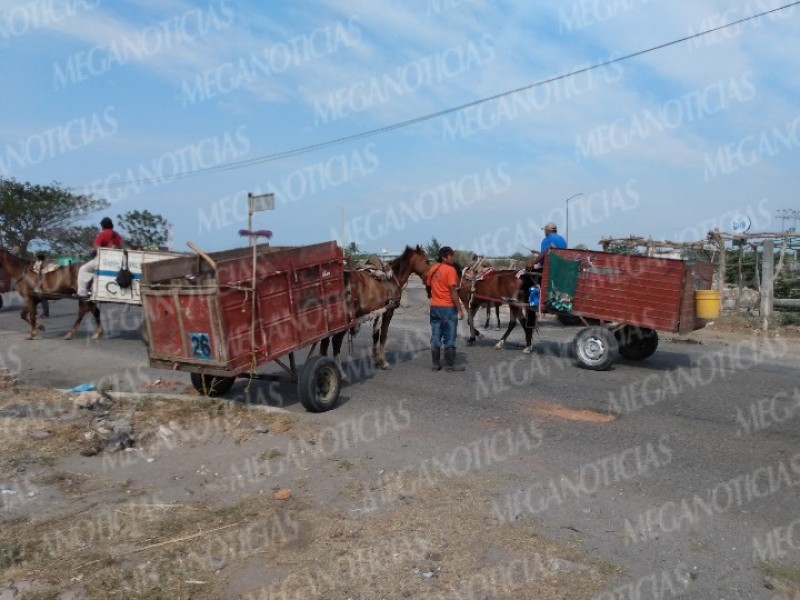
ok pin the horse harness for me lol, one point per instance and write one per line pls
(41, 268)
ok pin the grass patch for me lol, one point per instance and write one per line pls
(46, 595)
(790, 318)
(10, 555)
(788, 573)
(133, 550)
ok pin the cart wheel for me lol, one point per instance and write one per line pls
(319, 384)
(211, 385)
(636, 343)
(595, 348)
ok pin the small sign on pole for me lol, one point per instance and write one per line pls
(740, 224)
(256, 204)
(261, 202)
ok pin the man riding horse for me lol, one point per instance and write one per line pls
(107, 238)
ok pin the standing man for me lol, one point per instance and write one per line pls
(107, 238)
(445, 310)
(551, 240)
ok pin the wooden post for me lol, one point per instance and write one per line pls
(767, 283)
(723, 262)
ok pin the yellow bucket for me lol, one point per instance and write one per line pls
(707, 304)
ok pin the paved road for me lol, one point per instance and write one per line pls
(685, 489)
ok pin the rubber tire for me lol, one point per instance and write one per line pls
(595, 348)
(212, 385)
(320, 384)
(636, 343)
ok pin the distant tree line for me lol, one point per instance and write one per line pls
(53, 218)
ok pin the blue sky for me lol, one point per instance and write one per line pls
(122, 99)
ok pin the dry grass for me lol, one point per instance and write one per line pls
(136, 550)
(781, 578)
(780, 323)
(441, 542)
(61, 426)
(436, 539)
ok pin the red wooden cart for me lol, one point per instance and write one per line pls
(622, 300)
(222, 315)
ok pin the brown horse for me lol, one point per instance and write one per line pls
(61, 283)
(371, 295)
(500, 286)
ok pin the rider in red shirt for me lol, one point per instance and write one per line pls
(107, 238)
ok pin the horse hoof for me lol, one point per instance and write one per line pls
(30, 337)
(69, 336)
(527, 350)
(498, 346)
(97, 336)
(470, 341)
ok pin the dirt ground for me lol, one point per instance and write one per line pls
(169, 495)
(315, 530)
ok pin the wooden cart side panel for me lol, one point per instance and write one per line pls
(184, 326)
(637, 290)
(299, 300)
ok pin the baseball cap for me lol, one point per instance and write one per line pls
(445, 251)
(550, 225)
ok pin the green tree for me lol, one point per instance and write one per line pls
(432, 249)
(352, 249)
(42, 213)
(143, 229)
(73, 241)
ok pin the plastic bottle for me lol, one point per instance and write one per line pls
(533, 298)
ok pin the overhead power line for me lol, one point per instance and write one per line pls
(240, 164)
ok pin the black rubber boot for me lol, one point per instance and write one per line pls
(450, 360)
(436, 355)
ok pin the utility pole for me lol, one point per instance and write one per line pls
(786, 214)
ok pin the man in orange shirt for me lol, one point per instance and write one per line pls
(445, 310)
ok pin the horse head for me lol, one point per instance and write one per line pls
(13, 264)
(412, 260)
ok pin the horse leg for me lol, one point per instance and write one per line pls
(474, 334)
(496, 314)
(376, 338)
(488, 315)
(98, 330)
(82, 310)
(512, 322)
(527, 326)
(29, 314)
(337, 356)
(384, 333)
(323, 347)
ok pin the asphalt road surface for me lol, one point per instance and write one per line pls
(682, 471)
